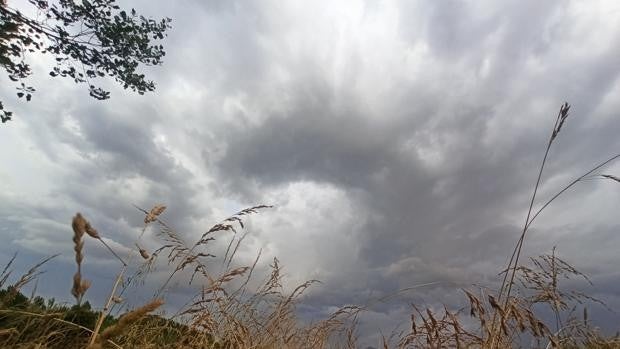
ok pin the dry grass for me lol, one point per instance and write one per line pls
(226, 312)
(125, 321)
(79, 286)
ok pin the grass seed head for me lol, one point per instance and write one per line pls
(154, 213)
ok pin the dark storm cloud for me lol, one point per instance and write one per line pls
(455, 221)
(389, 183)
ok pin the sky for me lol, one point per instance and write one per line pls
(398, 141)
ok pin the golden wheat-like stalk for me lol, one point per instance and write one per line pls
(125, 321)
(80, 286)
(152, 215)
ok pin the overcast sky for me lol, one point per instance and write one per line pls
(399, 142)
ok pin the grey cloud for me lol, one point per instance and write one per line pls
(436, 223)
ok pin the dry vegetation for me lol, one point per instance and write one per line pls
(229, 313)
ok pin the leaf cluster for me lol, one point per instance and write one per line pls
(89, 39)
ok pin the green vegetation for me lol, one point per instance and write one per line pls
(88, 39)
(24, 321)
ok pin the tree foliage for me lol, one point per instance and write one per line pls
(89, 39)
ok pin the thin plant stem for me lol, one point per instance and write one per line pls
(165, 284)
(112, 251)
(514, 258)
(579, 179)
(539, 211)
(105, 309)
(108, 306)
(178, 267)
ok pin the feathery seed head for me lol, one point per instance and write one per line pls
(154, 213)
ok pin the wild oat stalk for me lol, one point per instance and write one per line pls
(112, 298)
(509, 275)
(542, 281)
(30, 275)
(125, 321)
(6, 272)
(80, 227)
(183, 256)
(539, 285)
(514, 258)
(80, 286)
